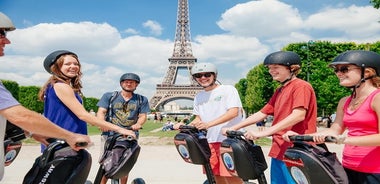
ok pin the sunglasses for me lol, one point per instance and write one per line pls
(343, 69)
(199, 75)
(3, 33)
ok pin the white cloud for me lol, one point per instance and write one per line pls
(264, 19)
(352, 22)
(131, 31)
(155, 27)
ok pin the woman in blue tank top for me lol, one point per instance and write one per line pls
(62, 96)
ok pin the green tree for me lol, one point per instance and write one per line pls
(375, 3)
(259, 88)
(12, 87)
(241, 87)
(90, 103)
(29, 98)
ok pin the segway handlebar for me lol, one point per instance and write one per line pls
(187, 127)
(309, 138)
(234, 133)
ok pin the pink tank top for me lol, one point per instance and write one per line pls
(362, 121)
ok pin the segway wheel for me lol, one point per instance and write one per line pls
(138, 181)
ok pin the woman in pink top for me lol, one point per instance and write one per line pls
(359, 113)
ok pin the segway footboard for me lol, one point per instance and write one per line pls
(309, 163)
(243, 158)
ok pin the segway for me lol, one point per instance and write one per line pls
(119, 157)
(12, 142)
(310, 163)
(243, 158)
(60, 164)
(192, 146)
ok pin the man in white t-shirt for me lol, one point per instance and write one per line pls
(217, 107)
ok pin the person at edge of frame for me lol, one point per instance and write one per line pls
(358, 113)
(32, 122)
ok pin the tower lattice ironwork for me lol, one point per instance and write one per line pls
(182, 59)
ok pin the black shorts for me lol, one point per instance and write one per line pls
(356, 177)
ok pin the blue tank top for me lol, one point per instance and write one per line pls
(58, 113)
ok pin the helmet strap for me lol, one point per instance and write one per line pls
(129, 91)
(289, 78)
(362, 80)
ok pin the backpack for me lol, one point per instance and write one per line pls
(59, 164)
(110, 105)
(309, 163)
(192, 145)
(243, 158)
(119, 156)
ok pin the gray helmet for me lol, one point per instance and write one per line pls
(203, 67)
(6, 23)
(130, 76)
(286, 58)
(359, 58)
(52, 58)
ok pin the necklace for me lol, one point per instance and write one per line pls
(357, 101)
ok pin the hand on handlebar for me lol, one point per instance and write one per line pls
(225, 130)
(314, 138)
(200, 125)
(288, 134)
(127, 132)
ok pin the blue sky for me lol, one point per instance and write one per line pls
(119, 36)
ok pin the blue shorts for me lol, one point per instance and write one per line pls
(279, 173)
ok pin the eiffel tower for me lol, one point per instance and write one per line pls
(182, 59)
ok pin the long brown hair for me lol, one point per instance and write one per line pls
(58, 76)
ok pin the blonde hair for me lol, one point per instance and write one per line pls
(58, 76)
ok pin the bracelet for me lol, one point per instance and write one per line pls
(30, 134)
(340, 139)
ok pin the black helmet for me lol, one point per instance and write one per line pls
(286, 58)
(138, 181)
(52, 58)
(130, 76)
(359, 58)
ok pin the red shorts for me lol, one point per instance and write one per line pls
(216, 162)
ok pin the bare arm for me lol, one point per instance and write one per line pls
(36, 123)
(293, 118)
(140, 122)
(254, 118)
(230, 114)
(67, 96)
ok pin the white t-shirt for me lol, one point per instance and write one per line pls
(209, 105)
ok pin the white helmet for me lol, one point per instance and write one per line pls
(203, 67)
(6, 23)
